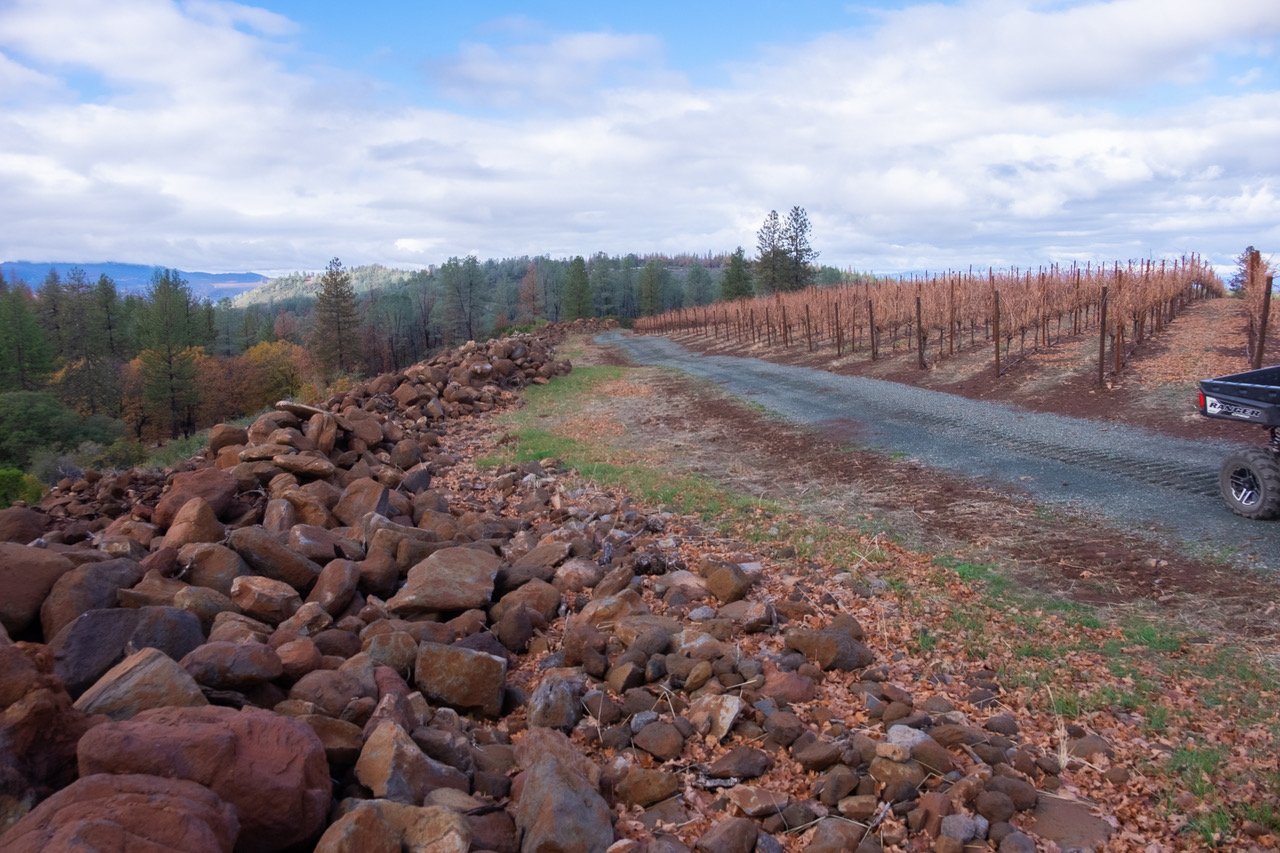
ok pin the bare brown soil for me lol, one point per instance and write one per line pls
(1156, 389)
(697, 429)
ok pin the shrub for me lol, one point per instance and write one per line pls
(17, 486)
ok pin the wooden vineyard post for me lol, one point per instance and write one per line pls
(995, 320)
(838, 338)
(768, 329)
(920, 336)
(951, 327)
(1102, 337)
(785, 329)
(808, 326)
(871, 330)
(1262, 325)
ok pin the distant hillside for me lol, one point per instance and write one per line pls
(305, 284)
(135, 278)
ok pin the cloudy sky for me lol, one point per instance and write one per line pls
(217, 136)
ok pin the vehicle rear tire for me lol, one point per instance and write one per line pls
(1250, 483)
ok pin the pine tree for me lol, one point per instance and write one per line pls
(800, 255)
(170, 393)
(651, 281)
(577, 291)
(771, 259)
(737, 278)
(698, 286)
(337, 321)
(25, 358)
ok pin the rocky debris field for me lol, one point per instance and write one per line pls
(334, 632)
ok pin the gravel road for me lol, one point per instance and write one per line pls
(1151, 484)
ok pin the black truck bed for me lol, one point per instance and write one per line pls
(1252, 396)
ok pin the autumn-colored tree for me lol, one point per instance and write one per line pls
(275, 371)
(529, 307)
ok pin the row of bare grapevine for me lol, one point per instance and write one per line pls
(1256, 280)
(936, 316)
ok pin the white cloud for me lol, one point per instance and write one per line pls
(981, 132)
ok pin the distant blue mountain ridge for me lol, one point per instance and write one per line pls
(134, 278)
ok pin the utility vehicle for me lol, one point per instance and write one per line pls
(1249, 479)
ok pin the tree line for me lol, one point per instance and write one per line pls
(122, 370)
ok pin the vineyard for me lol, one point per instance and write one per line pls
(936, 316)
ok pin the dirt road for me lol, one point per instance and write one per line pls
(1160, 488)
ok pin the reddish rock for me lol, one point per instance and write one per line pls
(225, 435)
(300, 657)
(267, 600)
(537, 595)
(336, 585)
(232, 666)
(393, 767)
(661, 740)
(559, 808)
(127, 811)
(212, 566)
(99, 639)
(26, 575)
(271, 768)
(146, 679)
(39, 728)
(22, 525)
(194, 522)
(204, 604)
(331, 690)
(342, 740)
(271, 559)
(217, 487)
(463, 678)
(361, 497)
(449, 579)
(731, 835)
(538, 563)
(383, 826)
(91, 586)
(643, 787)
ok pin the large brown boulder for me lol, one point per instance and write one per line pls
(267, 556)
(92, 586)
(373, 826)
(195, 522)
(146, 679)
(38, 727)
(217, 487)
(22, 525)
(560, 808)
(466, 679)
(99, 639)
(138, 813)
(26, 577)
(449, 579)
(233, 666)
(271, 768)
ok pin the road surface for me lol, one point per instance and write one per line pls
(1153, 484)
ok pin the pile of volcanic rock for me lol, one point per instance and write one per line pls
(394, 414)
(308, 643)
